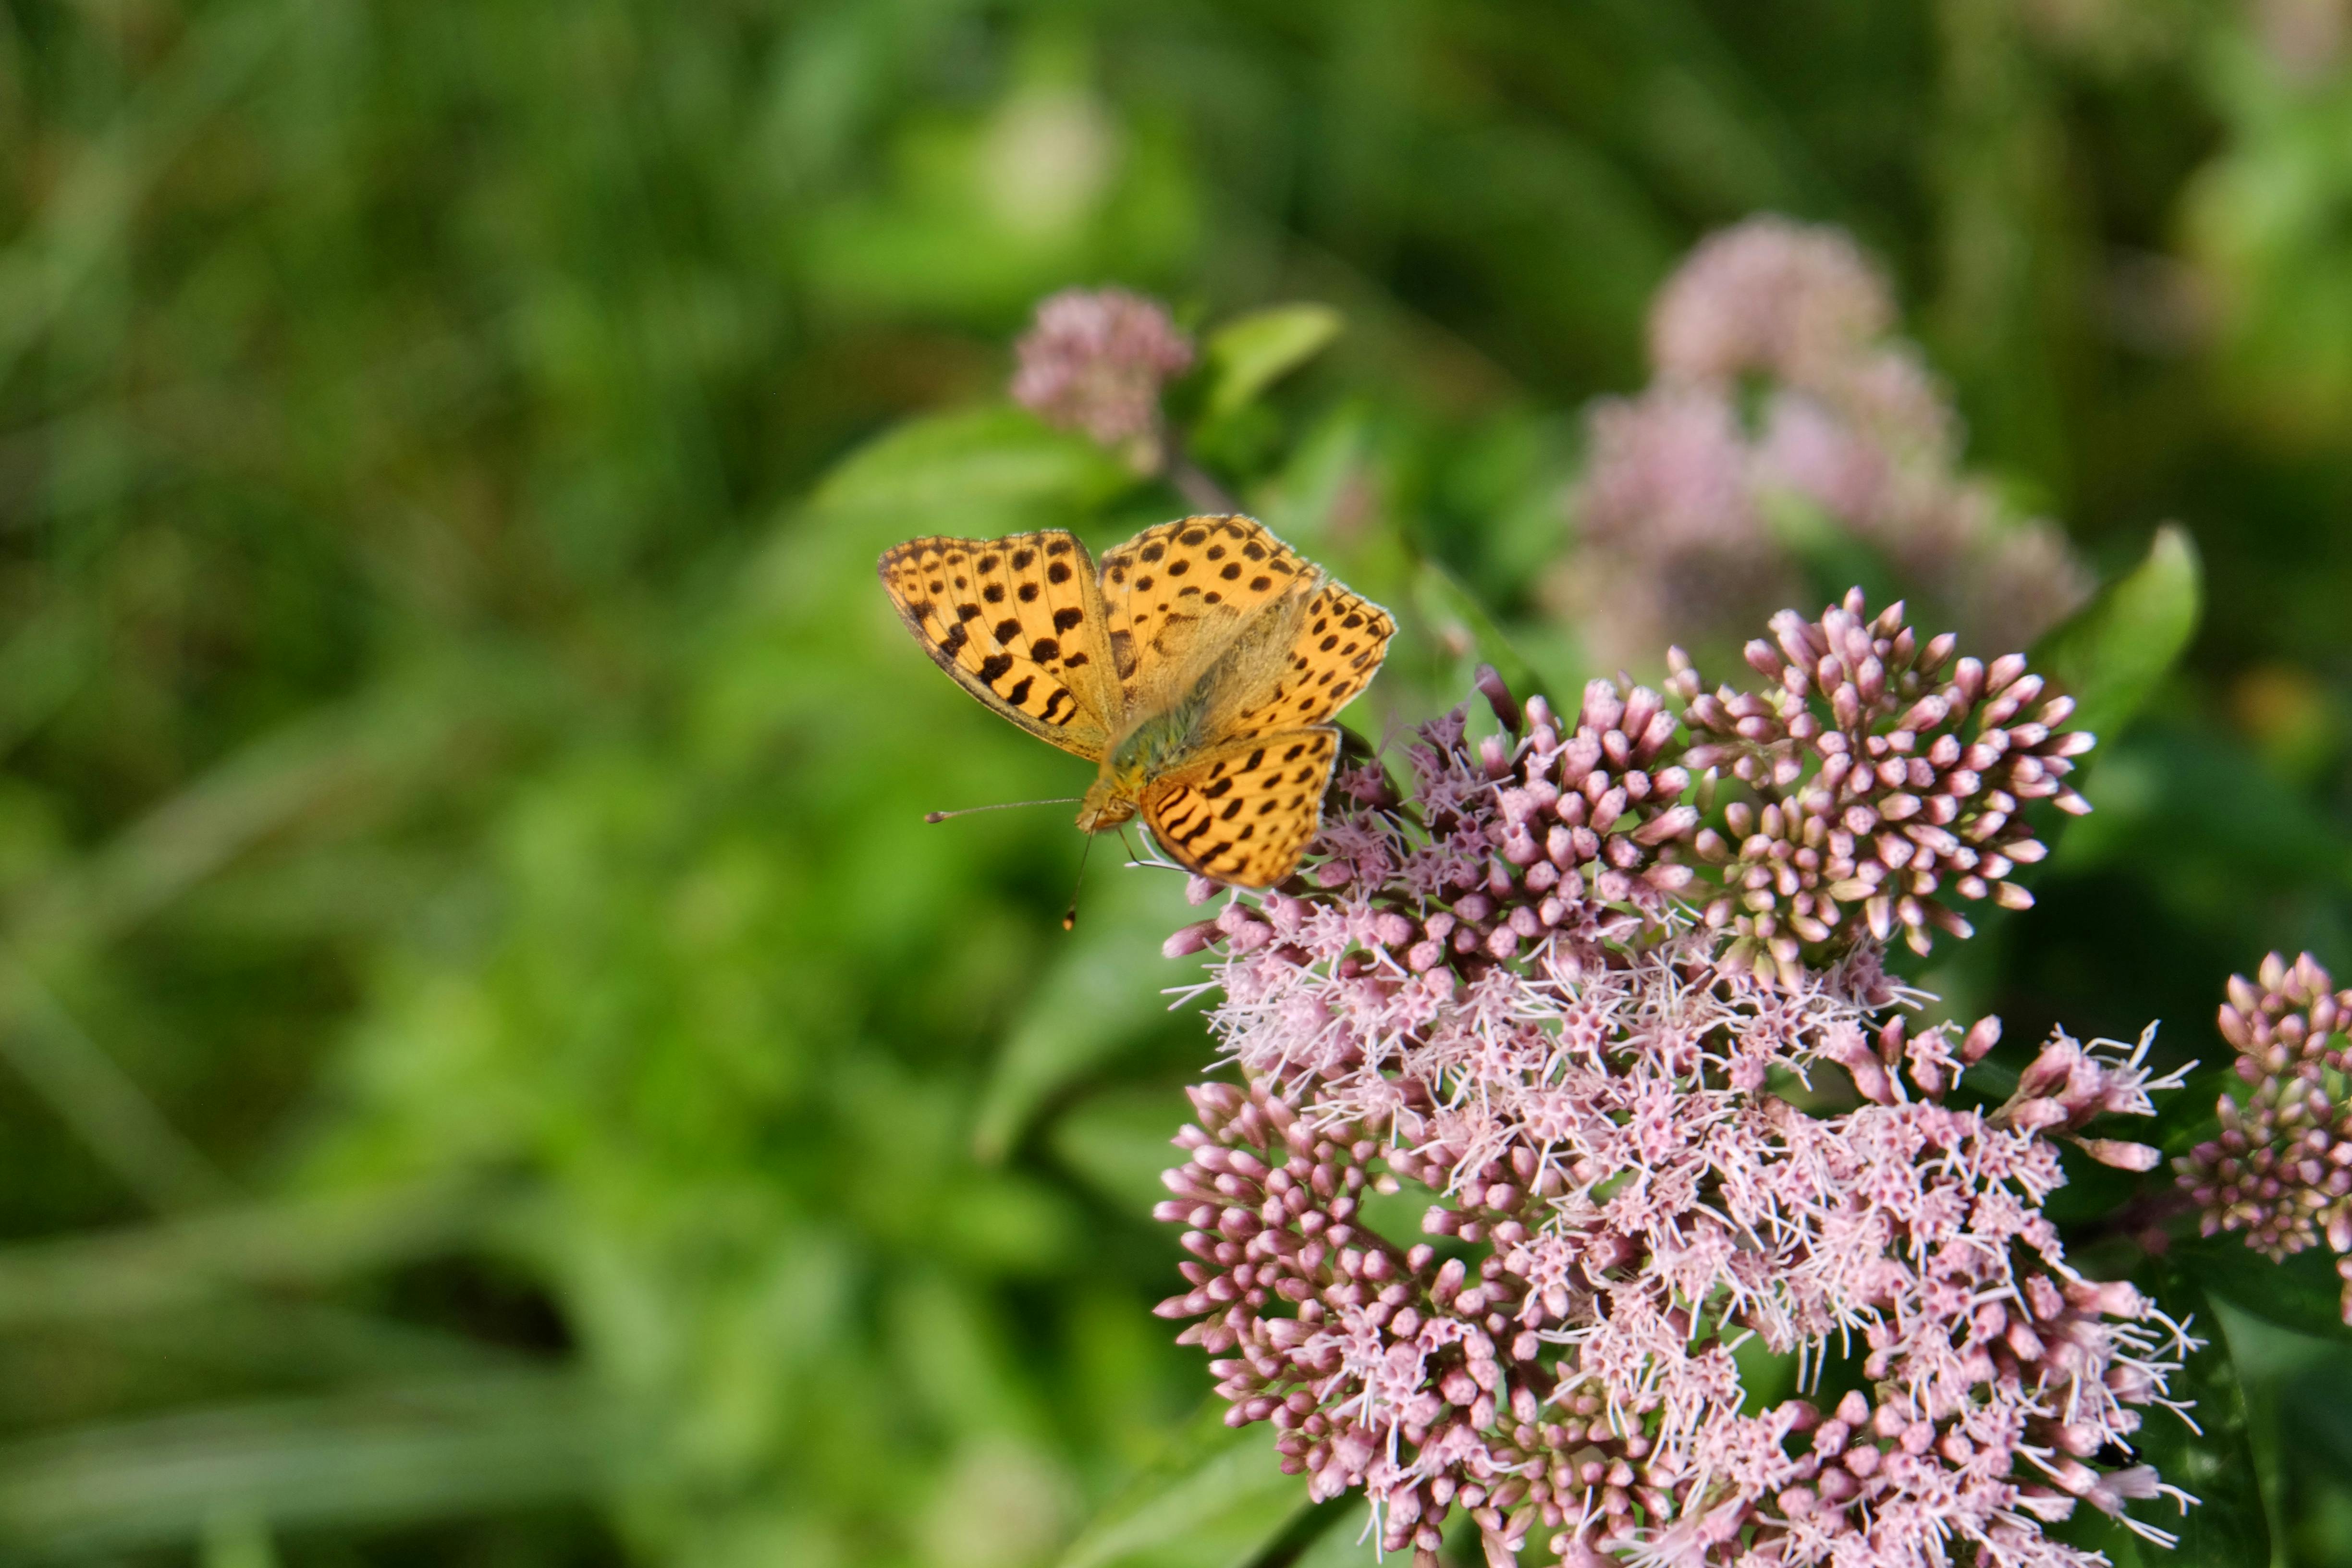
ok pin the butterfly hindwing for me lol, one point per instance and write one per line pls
(1019, 623)
(1335, 651)
(1243, 813)
(1170, 586)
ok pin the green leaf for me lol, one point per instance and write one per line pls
(2164, 785)
(990, 460)
(2113, 653)
(1343, 1541)
(2304, 1293)
(237, 1538)
(397, 1454)
(1251, 352)
(2215, 1463)
(184, 1262)
(1099, 996)
(1120, 1142)
(1452, 615)
(1216, 1500)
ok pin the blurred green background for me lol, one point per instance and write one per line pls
(496, 1068)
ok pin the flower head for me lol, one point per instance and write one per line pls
(1638, 1139)
(1883, 771)
(1095, 361)
(2281, 1169)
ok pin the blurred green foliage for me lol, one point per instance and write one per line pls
(497, 1069)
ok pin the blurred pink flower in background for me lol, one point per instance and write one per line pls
(1769, 296)
(1095, 360)
(1777, 385)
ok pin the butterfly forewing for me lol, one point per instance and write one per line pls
(1170, 586)
(1245, 812)
(1019, 623)
(1334, 654)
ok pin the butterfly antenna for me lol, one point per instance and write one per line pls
(1000, 806)
(1070, 915)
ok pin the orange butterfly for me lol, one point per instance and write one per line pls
(1198, 667)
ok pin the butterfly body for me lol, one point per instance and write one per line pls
(1197, 667)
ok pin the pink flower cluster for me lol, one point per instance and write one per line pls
(1638, 1160)
(1684, 511)
(2281, 1168)
(1095, 360)
(1881, 770)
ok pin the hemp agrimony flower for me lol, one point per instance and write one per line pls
(1645, 1140)
(1095, 361)
(2281, 1168)
(1881, 770)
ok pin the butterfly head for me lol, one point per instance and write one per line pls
(1111, 798)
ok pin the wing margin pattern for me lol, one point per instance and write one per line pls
(1018, 622)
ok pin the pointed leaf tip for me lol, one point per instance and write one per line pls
(2114, 653)
(1251, 352)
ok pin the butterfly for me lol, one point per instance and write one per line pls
(1198, 666)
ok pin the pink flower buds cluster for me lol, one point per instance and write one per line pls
(1096, 360)
(1493, 1013)
(1522, 842)
(1545, 835)
(2281, 1169)
(1884, 773)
